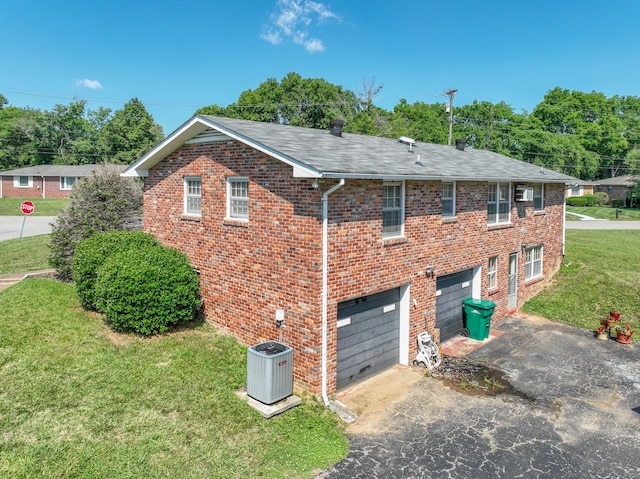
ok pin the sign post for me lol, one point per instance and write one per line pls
(27, 207)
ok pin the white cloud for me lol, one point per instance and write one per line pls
(293, 19)
(86, 83)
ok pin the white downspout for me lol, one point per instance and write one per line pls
(44, 185)
(325, 283)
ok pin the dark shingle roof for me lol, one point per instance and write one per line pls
(369, 156)
(53, 170)
(318, 153)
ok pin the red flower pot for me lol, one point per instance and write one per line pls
(624, 338)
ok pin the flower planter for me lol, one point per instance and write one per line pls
(603, 336)
(624, 338)
(610, 323)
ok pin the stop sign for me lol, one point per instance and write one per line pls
(27, 207)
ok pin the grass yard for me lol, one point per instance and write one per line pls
(600, 273)
(80, 401)
(604, 213)
(44, 206)
(30, 253)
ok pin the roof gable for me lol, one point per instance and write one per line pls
(317, 153)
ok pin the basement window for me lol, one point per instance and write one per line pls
(533, 262)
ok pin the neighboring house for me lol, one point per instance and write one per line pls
(580, 188)
(42, 181)
(617, 187)
(360, 242)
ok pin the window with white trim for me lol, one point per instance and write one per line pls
(499, 203)
(538, 196)
(448, 200)
(492, 272)
(392, 209)
(67, 182)
(193, 195)
(23, 181)
(238, 198)
(533, 262)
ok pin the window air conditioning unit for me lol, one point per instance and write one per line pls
(524, 193)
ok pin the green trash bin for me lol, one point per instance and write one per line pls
(478, 314)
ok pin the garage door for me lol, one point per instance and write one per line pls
(368, 336)
(451, 290)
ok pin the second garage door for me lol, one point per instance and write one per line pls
(451, 290)
(368, 336)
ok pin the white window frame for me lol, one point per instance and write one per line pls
(238, 198)
(501, 213)
(448, 211)
(16, 181)
(396, 207)
(533, 262)
(538, 196)
(492, 272)
(193, 195)
(64, 182)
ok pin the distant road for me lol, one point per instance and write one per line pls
(10, 226)
(602, 225)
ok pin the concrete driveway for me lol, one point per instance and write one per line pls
(10, 226)
(576, 413)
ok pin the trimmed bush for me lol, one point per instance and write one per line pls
(603, 198)
(147, 290)
(616, 203)
(577, 201)
(92, 252)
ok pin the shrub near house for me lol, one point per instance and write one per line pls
(140, 285)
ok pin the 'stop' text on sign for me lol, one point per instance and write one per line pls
(27, 207)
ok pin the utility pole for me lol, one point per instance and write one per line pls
(450, 93)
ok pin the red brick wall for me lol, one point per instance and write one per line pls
(52, 188)
(273, 261)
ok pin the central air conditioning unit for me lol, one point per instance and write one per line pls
(524, 193)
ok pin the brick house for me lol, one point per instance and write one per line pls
(617, 187)
(42, 181)
(362, 242)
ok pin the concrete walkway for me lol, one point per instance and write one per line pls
(11, 279)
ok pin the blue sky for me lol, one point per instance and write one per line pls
(176, 56)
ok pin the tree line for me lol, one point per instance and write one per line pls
(587, 135)
(74, 135)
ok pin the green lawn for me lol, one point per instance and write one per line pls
(605, 213)
(44, 206)
(24, 254)
(600, 273)
(80, 401)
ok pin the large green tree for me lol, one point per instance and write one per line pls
(296, 101)
(130, 133)
(420, 121)
(601, 125)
